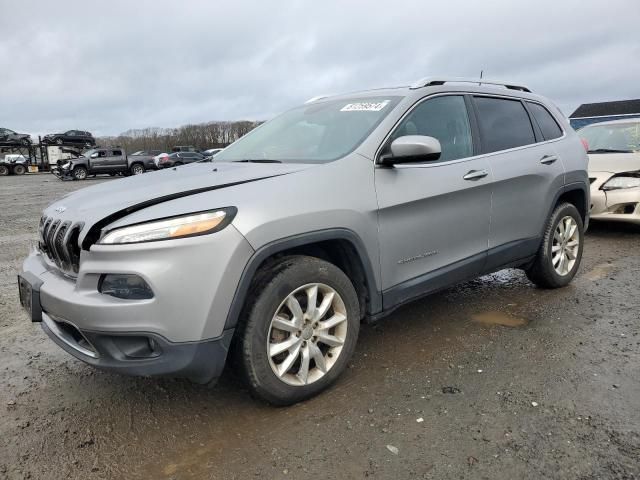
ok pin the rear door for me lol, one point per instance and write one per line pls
(433, 216)
(527, 175)
(117, 160)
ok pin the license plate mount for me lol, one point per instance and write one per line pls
(29, 291)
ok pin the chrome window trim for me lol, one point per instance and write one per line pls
(436, 163)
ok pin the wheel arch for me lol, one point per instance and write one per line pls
(576, 194)
(341, 247)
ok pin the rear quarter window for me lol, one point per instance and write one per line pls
(504, 124)
(548, 125)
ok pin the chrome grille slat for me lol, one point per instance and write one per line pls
(59, 242)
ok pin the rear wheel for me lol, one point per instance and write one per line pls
(137, 169)
(79, 173)
(299, 330)
(560, 253)
(26, 142)
(59, 141)
(4, 170)
(19, 169)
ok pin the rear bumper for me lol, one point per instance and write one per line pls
(141, 353)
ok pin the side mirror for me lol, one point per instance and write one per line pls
(94, 155)
(412, 148)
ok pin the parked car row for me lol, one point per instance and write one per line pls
(115, 161)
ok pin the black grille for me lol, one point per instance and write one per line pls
(59, 242)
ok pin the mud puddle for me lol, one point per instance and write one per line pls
(499, 318)
(600, 271)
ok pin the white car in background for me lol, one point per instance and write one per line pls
(614, 169)
(212, 152)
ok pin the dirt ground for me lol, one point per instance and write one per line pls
(492, 379)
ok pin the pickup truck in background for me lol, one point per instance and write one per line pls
(97, 161)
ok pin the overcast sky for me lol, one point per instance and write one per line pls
(108, 66)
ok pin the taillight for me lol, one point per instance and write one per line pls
(585, 144)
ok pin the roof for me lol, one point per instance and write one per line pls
(605, 109)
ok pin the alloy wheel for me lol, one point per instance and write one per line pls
(565, 246)
(306, 334)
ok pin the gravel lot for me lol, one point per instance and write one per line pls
(492, 379)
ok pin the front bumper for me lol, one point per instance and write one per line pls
(614, 205)
(193, 281)
(142, 354)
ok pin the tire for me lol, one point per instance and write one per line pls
(79, 173)
(544, 272)
(26, 142)
(273, 286)
(137, 169)
(19, 169)
(4, 170)
(59, 141)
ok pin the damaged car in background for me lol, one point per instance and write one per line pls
(614, 169)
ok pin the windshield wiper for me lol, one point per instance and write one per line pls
(257, 160)
(609, 150)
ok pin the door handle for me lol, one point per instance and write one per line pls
(548, 159)
(476, 175)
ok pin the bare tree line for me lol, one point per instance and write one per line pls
(202, 136)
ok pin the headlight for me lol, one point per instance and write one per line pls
(622, 181)
(166, 229)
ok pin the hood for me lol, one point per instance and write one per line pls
(614, 162)
(108, 201)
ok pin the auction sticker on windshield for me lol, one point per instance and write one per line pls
(364, 106)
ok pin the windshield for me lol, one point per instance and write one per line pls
(612, 138)
(138, 153)
(313, 133)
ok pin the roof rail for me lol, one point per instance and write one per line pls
(433, 81)
(314, 99)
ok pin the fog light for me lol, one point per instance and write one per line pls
(126, 286)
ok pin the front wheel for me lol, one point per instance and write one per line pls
(79, 173)
(299, 330)
(560, 253)
(59, 141)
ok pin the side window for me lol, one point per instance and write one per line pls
(117, 153)
(102, 153)
(548, 125)
(444, 118)
(503, 124)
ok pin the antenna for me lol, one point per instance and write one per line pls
(481, 73)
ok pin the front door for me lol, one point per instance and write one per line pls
(433, 216)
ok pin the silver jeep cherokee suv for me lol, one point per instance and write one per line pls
(333, 213)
